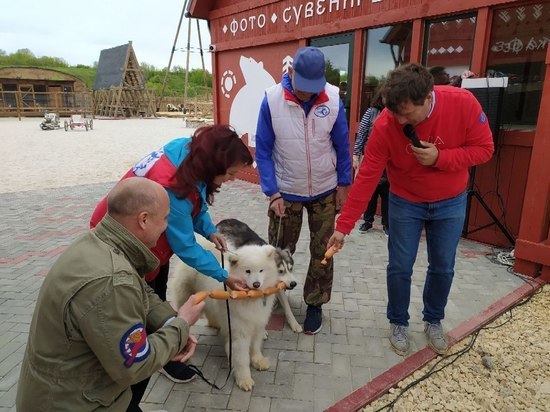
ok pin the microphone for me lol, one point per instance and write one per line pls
(409, 131)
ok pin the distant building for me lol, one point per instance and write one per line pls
(32, 90)
(119, 86)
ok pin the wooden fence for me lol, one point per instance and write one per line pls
(35, 104)
(32, 104)
(199, 106)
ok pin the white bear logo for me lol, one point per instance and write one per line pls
(243, 115)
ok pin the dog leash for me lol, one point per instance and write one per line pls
(279, 230)
(328, 254)
(193, 367)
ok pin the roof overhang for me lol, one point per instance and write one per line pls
(36, 73)
(200, 9)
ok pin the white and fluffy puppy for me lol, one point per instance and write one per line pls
(249, 316)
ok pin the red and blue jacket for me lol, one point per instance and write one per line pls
(187, 216)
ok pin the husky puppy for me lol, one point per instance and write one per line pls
(249, 316)
(238, 234)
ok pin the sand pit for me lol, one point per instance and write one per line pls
(38, 159)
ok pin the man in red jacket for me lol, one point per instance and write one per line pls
(427, 189)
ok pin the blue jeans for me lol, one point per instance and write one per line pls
(443, 222)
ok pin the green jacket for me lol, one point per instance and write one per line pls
(87, 341)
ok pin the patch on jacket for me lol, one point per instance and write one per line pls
(482, 118)
(322, 111)
(144, 165)
(122, 279)
(134, 345)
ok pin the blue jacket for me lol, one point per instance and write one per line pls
(181, 225)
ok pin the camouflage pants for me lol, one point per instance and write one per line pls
(285, 232)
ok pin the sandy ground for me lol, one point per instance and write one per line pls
(37, 159)
(507, 369)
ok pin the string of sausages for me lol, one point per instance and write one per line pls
(253, 293)
(238, 294)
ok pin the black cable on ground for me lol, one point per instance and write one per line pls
(455, 356)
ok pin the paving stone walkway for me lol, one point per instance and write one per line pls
(308, 373)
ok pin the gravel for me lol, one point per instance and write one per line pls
(507, 368)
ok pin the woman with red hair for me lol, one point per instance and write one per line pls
(191, 170)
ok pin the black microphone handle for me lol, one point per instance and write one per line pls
(409, 131)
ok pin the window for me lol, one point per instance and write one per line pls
(40, 95)
(449, 43)
(387, 48)
(338, 51)
(517, 49)
(9, 95)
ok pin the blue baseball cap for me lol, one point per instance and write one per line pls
(309, 70)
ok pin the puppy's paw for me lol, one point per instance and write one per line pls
(295, 326)
(266, 334)
(260, 363)
(245, 383)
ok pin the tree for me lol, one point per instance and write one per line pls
(332, 74)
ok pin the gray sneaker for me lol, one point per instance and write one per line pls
(436, 337)
(399, 339)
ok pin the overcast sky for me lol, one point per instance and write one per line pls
(77, 31)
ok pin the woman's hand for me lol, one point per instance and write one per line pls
(235, 283)
(219, 241)
(356, 162)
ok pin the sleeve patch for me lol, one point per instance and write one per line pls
(482, 118)
(134, 346)
(123, 279)
(144, 165)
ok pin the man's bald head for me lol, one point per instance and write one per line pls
(141, 206)
(131, 196)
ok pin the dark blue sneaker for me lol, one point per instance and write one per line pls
(314, 320)
(178, 372)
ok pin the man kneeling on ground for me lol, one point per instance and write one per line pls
(88, 342)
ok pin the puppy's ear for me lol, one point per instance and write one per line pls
(233, 258)
(287, 253)
(270, 250)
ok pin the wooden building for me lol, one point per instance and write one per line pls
(119, 85)
(253, 43)
(30, 91)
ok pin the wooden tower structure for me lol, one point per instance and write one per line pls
(119, 86)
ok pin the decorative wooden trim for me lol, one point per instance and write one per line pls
(481, 39)
(356, 80)
(535, 222)
(417, 41)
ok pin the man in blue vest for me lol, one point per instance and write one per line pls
(303, 158)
